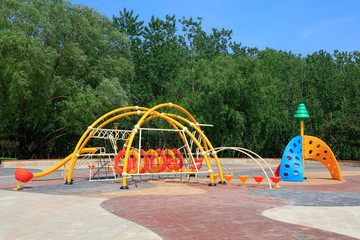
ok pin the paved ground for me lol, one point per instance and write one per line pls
(319, 208)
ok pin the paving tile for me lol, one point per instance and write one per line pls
(344, 220)
(44, 216)
(223, 213)
(168, 209)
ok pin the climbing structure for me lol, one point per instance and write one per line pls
(316, 149)
(133, 155)
(291, 167)
(130, 162)
(300, 148)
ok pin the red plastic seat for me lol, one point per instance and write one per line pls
(258, 179)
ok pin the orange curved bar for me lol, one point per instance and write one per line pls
(171, 160)
(144, 161)
(163, 164)
(197, 165)
(179, 156)
(315, 149)
(154, 166)
(117, 166)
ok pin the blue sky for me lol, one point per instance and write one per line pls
(301, 27)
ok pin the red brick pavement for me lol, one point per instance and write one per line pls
(223, 212)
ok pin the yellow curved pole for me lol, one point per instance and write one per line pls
(117, 117)
(82, 139)
(82, 142)
(205, 139)
(61, 163)
(173, 125)
(206, 142)
(141, 122)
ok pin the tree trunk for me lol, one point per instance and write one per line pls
(23, 149)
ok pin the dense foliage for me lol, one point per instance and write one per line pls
(64, 65)
(61, 65)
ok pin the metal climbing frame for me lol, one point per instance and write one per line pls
(188, 160)
(103, 161)
(146, 114)
(103, 165)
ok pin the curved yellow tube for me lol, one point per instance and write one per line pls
(141, 122)
(146, 112)
(62, 163)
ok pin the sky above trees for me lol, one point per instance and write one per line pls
(301, 27)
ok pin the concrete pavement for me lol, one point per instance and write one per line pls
(318, 208)
(343, 220)
(27, 216)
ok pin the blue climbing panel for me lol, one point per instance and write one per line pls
(291, 167)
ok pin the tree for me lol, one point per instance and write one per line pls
(157, 52)
(61, 66)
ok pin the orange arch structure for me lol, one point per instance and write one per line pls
(316, 149)
(147, 114)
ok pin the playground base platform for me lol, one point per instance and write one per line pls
(169, 208)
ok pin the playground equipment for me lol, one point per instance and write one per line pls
(258, 179)
(132, 156)
(254, 157)
(228, 178)
(62, 163)
(243, 178)
(126, 162)
(303, 147)
(275, 180)
(22, 175)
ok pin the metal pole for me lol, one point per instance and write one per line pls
(116, 133)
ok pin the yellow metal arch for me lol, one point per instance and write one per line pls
(146, 112)
(142, 121)
(83, 141)
(206, 143)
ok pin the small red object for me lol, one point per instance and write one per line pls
(275, 179)
(91, 166)
(277, 171)
(258, 178)
(23, 175)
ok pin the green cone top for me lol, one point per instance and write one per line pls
(301, 112)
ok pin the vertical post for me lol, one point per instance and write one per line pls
(138, 161)
(116, 135)
(65, 172)
(302, 114)
(302, 135)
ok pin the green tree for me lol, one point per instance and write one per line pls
(61, 66)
